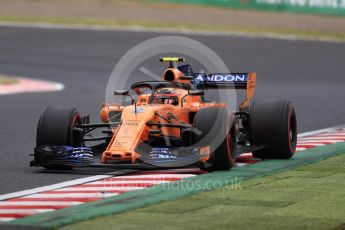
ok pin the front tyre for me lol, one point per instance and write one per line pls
(55, 128)
(217, 131)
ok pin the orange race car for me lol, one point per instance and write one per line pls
(170, 124)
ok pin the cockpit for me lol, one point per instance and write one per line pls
(165, 96)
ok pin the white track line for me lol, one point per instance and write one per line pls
(313, 144)
(72, 195)
(100, 189)
(52, 187)
(303, 141)
(6, 219)
(332, 134)
(321, 131)
(158, 176)
(329, 136)
(134, 182)
(39, 203)
(25, 211)
(299, 149)
(319, 139)
(246, 155)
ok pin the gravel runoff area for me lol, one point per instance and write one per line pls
(157, 12)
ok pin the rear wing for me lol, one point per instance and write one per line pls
(245, 81)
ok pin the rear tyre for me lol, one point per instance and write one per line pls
(55, 127)
(273, 126)
(218, 132)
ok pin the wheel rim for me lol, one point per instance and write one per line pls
(75, 135)
(293, 133)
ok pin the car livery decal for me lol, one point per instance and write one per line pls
(242, 77)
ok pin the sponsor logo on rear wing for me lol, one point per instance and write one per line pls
(222, 80)
(245, 81)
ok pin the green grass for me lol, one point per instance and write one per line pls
(315, 35)
(5, 80)
(310, 197)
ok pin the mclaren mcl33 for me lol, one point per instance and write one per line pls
(169, 123)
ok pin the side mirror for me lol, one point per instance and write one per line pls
(124, 93)
(196, 93)
(121, 93)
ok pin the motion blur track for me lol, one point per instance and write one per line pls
(311, 74)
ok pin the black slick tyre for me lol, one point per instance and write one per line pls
(55, 127)
(217, 131)
(273, 128)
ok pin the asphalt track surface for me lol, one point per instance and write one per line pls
(311, 74)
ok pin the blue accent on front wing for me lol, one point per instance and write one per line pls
(171, 157)
(68, 155)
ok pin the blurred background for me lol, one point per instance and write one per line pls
(310, 18)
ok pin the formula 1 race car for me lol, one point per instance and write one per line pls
(170, 124)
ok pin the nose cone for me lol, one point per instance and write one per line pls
(125, 140)
(142, 113)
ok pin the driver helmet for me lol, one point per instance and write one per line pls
(166, 96)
